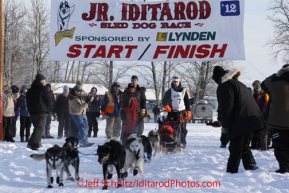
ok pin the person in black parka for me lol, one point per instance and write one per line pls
(61, 107)
(241, 117)
(277, 114)
(38, 104)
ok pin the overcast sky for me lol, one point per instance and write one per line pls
(257, 31)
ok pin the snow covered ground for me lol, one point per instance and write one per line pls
(202, 163)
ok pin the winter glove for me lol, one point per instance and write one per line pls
(89, 99)
(215, 124)
(143, 112)
(168, 108)
(188, 117)
(102, 113)
(225, 130)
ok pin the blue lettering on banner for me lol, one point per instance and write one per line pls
(230, 8)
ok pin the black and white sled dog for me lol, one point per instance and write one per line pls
(63, 15)
(54, 158)
(112, 153)
(150, 143)
(71, 157)
(155, 141)
(147, 148)
(134, 156)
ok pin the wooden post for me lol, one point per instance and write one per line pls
(1, 68)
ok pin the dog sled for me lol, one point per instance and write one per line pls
(170, 132)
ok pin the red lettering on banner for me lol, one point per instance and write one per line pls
(205, 9)
(166, 12)
(143, 12)
(160, 50)
(182, 52)
(123, 11)
(203, 51)
(154, 9)
(113, 25)
(191, 51)
(101, 51)
(176, 25)
(133, 12)
(216, 50)
(88, 49)
(192, 10)
(129, 50)
(179, 11)
(75, 52)
(116, 50)
(102, 9)
(92, 12)
(172, 49)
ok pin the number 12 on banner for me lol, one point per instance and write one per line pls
(230, 8)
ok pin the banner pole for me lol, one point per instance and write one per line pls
(1, 68)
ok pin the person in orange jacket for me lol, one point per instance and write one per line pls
(176, 102)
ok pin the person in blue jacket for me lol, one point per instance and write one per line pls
(110, 105)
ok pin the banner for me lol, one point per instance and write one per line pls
(87, 30)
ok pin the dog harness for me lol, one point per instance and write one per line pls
(137, 155)
(62, 19)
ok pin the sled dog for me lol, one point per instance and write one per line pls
(154, 139)
(54, 158)
(71, 157)
(134, 156)
(111, 154)
(147, 148)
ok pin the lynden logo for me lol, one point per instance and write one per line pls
(162, 36)
(63, 16)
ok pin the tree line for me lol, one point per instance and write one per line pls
(26, 53)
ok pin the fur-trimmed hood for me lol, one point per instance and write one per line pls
(235, 73)
(283, 73)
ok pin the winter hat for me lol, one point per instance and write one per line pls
(93, 88)
(39, 77)
(65, 87)
(78, 88)
(176, 79)
(285, 66)
(134, 77)
(257, 82)
(130, 85)
(24, 87)
(218, 73)
(48, 85)
(79, 83)
(115, 84)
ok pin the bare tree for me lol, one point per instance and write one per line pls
(37, 36)
(280, 18)
(157, 75)
(14, 14)
(107, 72)
(197, 76)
